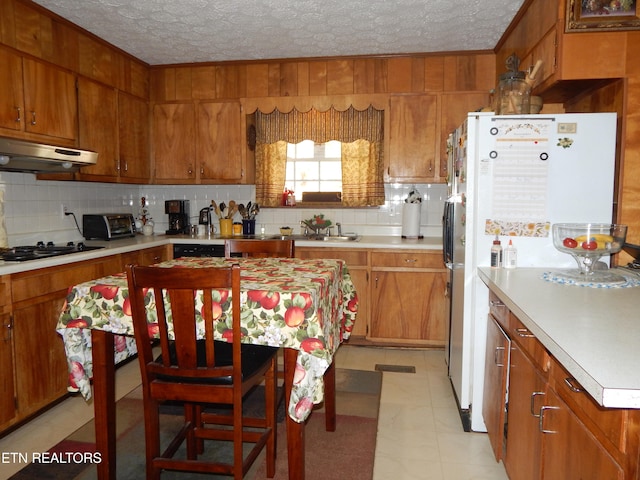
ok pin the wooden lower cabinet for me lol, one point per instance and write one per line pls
(408, 298)
(526, 395)
(401, 294)
(34, 371)
(7, 387)
(496, 371)
(555, 430)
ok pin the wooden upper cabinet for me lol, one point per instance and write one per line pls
(12, 96)
(133, 135)
(50, 100)
(455, 108)
(115, 125)
(413, 139)
(219, 143)
(37, 98)
(98, 126)
(174, 142)
(198, 143)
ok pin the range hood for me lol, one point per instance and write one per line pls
(25, 156)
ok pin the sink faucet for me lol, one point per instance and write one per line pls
(339, 225)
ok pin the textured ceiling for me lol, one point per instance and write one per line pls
(185, 31)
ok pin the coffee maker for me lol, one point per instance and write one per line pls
(178, 211)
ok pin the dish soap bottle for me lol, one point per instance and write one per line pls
(510, 259)
(496, 253)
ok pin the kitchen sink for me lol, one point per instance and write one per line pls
(319, 238)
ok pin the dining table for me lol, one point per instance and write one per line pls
(306, 306)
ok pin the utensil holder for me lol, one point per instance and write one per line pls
(226, 227)
(248, 226)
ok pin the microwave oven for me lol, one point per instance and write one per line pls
(108, 226)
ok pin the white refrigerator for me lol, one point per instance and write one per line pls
(514, 176)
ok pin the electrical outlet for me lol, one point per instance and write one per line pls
(64, 209)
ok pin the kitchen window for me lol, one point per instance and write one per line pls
(314, 169)
(359, 134)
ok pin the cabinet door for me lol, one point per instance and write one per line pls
(569, 450)
(219, 143)
(174, 142)
(49, 100)
(11, 96)
(408, 306)
(7, 390)
(413, 139)
(455, 108)
(40, 360)
(494, 399)
(526, 396)
(133, 134)
(98, 126)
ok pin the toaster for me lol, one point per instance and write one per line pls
(108, 226)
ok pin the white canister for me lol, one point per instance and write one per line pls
(147, 230)
(411, 220)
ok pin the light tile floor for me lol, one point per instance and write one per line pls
(420, 436)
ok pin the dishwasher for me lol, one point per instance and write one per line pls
(197, 250)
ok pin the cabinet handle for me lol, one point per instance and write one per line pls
(410, 260)
(201, 170)
(533, 401)
(126, 166)
(19, 117)
(190, 170)
(541, 420)
(524, 333)
(495, 356)
(496, 303)
(569, 381)
(8, 326)
(33, 117)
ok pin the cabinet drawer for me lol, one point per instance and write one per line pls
(603, 422)
(39, 283)
(529, 343)
(353, 257)
(498, 310)
(408, 259)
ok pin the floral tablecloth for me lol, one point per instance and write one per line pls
(307, 305)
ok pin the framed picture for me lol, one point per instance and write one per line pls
(591, 15)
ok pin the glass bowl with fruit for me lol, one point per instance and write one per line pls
(587, 243)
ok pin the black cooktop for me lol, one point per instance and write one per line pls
(42, 250)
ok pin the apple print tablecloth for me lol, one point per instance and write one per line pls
(307, 305)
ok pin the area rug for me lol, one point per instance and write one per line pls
(346, 453)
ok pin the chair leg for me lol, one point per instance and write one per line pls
(152, 437)
(270, 392)
(192, 416)
(330, 398)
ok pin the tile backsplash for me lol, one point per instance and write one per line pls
(33, 208)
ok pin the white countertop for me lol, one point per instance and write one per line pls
(138, 242)
(593, 332)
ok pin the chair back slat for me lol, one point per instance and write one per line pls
(259, 248)
(182, 355)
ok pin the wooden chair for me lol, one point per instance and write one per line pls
(259, 248)
(199, 372)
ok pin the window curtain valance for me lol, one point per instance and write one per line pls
(360, 131)
(320, 126)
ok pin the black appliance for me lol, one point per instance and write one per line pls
(178, 211)
(42, 250)
(197, 250)
(634, 251)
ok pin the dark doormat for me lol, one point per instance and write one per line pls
(358, 400)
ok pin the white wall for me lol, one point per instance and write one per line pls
(32, 208)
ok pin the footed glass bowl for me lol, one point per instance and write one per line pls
(587, 243)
